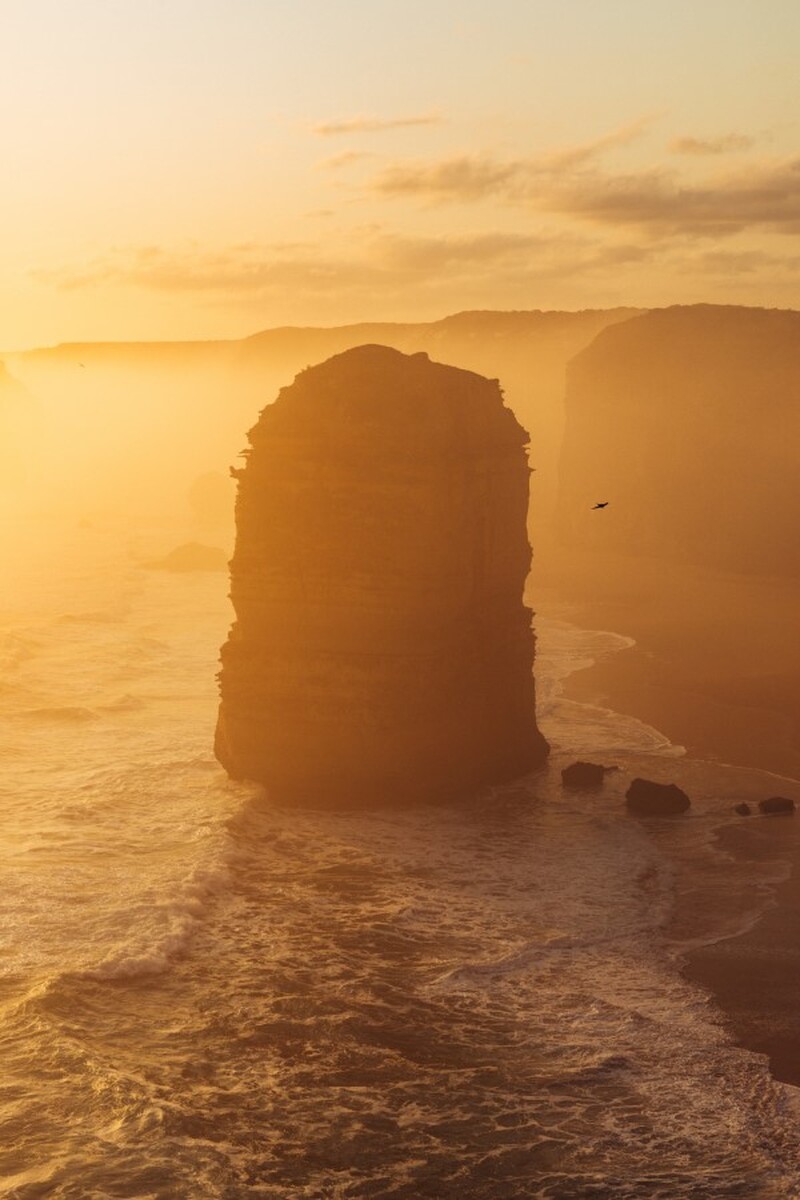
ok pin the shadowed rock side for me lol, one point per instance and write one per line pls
(381, 648)
(687, 420)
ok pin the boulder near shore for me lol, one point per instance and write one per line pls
(648, 799)
(580, 775)
(776, 805)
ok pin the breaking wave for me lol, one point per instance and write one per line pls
(210, 995)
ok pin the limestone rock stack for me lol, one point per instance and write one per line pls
(381, 648)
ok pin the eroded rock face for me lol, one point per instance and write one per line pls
(381, 649)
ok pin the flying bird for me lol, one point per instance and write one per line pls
(601, 504)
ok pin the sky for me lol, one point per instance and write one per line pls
(206, 168)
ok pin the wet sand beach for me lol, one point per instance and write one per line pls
(716, 664)
(755, 977)
(716, 669)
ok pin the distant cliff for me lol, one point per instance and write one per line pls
(527, 351)
(179, 407)
(381, 649)
(687, 421)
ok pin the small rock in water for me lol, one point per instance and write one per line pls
(583, 775)
(744, 810)
(776, 805)
(649, 799)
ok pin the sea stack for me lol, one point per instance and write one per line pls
(381, 649)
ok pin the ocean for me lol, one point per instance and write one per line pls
(207, 995)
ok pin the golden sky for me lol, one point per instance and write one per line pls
(206, 168)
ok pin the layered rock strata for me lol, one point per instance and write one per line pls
(381, 648)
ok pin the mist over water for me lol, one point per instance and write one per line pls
(207, 995)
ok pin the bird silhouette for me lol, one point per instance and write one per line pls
(602, 504)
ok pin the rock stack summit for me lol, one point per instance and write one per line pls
(381, 649)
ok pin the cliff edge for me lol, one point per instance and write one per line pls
(687, 421)
(381, 649)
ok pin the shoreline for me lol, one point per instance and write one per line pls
(714, 724)
(715, 665)
(752, 976)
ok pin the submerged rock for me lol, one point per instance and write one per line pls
(744, 810)
(776, 805)
(649, 799)
(381, 648)
(583, 775)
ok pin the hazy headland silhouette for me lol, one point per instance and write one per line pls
(180, 409)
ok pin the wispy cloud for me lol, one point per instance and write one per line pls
(459, 251)
(470, 177)
(465, 177)
(228, 270)
(368, 262)
(346, 159)
(732, 263)
(566, 157)
(762, 194)
(488, 266)
(701, 147)
(374, 124)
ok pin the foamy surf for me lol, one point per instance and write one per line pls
(150, 945)
(211, 996)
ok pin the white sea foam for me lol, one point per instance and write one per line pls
(220, 996)
(150, 944)
(563, 649)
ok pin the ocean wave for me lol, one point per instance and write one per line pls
(65, 712)
(126, 703)
(534, 953)
(593, 729)
(475, 999)
(90, 618)
(16, 649)
(562, 650)
(166, 928)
